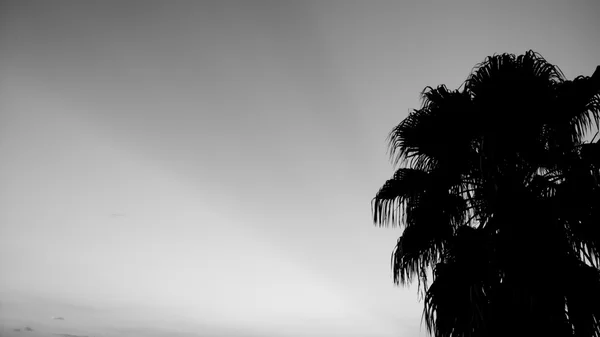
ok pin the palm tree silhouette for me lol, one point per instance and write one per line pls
(498, 193)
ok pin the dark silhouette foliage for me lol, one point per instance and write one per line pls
(498, 193)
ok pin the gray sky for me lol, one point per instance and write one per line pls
(206, 168)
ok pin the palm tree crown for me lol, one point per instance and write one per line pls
(498, 193)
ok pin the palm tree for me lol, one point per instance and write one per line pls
(498, 193)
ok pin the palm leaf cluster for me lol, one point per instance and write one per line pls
(497, 190)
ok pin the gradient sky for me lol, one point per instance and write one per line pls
(206, 168)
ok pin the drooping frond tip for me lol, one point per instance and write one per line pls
(496, 64)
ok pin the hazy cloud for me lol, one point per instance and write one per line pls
(24, 329)
(68, 335)
(58, 318)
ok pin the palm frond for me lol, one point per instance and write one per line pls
(435, 132)
(428, 229)
(504, 68)
(389, 203)
(418, 249)
(497, 189)
(579, 101)
(582, 294)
